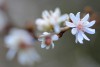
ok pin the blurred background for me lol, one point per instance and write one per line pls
(66, 52)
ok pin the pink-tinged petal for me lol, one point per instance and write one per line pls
(57, 28)
(55, 37)
(73, 18)
(91, 23)
(89, 30)
(69, 24)
(85, 18)
(74, 31)
(80, 38)
(78, 16)
(63, 18)
(85, 37)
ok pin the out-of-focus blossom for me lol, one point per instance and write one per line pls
(47, 40)
(20, 41)
(80, 26)
(51, 20)
(3, 20)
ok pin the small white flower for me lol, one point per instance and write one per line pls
(47, 40)
(20, 42)
(51, 19)
(80, 26)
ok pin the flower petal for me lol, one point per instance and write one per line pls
(85, 37)
(63, 18)
(78, 16)
(47, 47)
(73, 18)
(80, 38)
(45, 14)
(69, 24)
(11, 54)
(85, 18)
(55, 37)
(46, 33)
(57, 12)
(57, 28)
(74, 31)
(52, 45)
(91, 23)
(40, 39)
(89, 30)
(43, 45)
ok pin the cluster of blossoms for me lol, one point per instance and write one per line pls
(52, 21)
(21, 42)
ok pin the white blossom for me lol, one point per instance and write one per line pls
(47, 40)
(21, 43)
(80, 26)
(51, 20)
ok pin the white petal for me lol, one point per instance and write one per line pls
(74, 31)
(46, 33)
(80, 38)
(23, 58)
(78, 16)
(57, 12)
(11, 42)
(45, 14)
(39, 21)
(85, 37)
(11, 54)
(52, 45)
(89, 30)
(47, 47)
(91, 23)
(43, 45)
(69, 24)
(55, 37)
(57, 28)
(85, 18)
(73, 18)
(63, 18)
(40, 39)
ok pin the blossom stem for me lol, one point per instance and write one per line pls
(63, 30)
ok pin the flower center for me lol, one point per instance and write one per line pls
(24, 46)
(80, 26)
(48, 40)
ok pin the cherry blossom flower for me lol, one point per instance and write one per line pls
(47, 40)
(80, 26)
(51, 20)
(20, 42)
